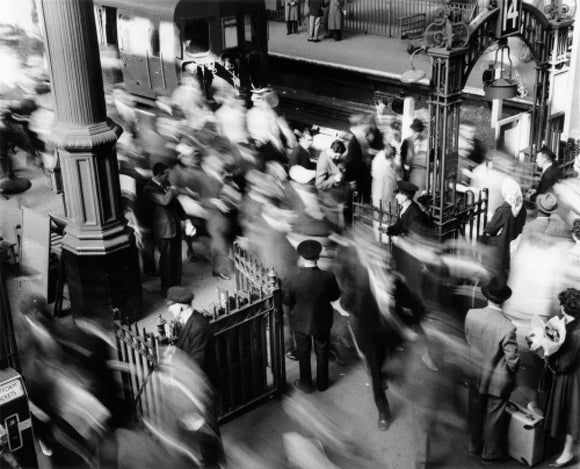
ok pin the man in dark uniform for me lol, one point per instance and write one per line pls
(411, 217)
(308, 294)
(166, 225)
(546, 160)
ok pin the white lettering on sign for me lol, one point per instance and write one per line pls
(511, 14)
(10, 391)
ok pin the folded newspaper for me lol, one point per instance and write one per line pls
(547, 337)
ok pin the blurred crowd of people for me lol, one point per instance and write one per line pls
(221, 168)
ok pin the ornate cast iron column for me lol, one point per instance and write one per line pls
(101, 261)
(447, 68)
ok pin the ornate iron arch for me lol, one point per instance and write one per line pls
(533, 31)
(548, 41)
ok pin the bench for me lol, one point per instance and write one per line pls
(413, 26)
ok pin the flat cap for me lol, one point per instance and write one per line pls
(309, 249)
(182, 295)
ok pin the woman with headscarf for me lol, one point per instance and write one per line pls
(505, 227)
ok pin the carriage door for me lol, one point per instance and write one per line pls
(139, 50)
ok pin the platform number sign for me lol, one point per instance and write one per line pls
(510, 18)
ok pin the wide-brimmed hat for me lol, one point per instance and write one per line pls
(547, 203)
(182, 295)
(496, 291)
(417, 125)
(406, 188)
(309, 249)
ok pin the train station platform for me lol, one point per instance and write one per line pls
(381, 56)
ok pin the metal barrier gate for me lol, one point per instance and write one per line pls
(249, 346)
(468, 219)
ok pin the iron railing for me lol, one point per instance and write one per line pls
(249, 346)
(383, 17)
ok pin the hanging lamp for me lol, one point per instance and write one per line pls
(504, 86)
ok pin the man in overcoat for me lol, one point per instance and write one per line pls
(166, 225)
(308, 295)
(411, 217)
(546, 160)
(494, 360)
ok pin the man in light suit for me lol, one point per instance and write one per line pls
(167, 216)
(494, 360)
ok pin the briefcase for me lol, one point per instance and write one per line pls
(525, 435)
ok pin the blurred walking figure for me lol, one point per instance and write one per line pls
(291, 16)
(308, 294)
(494, 359)
(314, 17)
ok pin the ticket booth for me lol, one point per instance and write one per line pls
(16, 436)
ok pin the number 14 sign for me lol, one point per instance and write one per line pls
(510, 18)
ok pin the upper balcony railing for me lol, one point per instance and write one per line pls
(383, 17)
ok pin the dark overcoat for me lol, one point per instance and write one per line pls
(412, 220)
(548, 179)
(501, 230)
(167, 211)
(563, 411)
(308, 294)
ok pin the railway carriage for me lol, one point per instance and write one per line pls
(158, 41)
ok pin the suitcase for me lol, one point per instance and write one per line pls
(525, 435)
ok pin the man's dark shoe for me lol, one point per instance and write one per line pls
(491, 461)
(301, 387)
(315, 40)
(383, 422)
(290, 354)
(327, 36)
(222, 276)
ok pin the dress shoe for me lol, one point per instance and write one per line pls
(491, 461)
(327, 36)
(222, 276)
(315, 40)
(310, 39)
(301, 387)
(566, 463)
(290, 354)
(383, 423)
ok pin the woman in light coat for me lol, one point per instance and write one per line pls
(335, 19)
(291, 16)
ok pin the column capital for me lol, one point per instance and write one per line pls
(73, 138)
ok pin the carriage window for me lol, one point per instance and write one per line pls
(124, 33)
(248, 37)
(154, 41)
(196, 36)
(230, 30)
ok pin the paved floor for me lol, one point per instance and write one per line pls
(380, 55)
